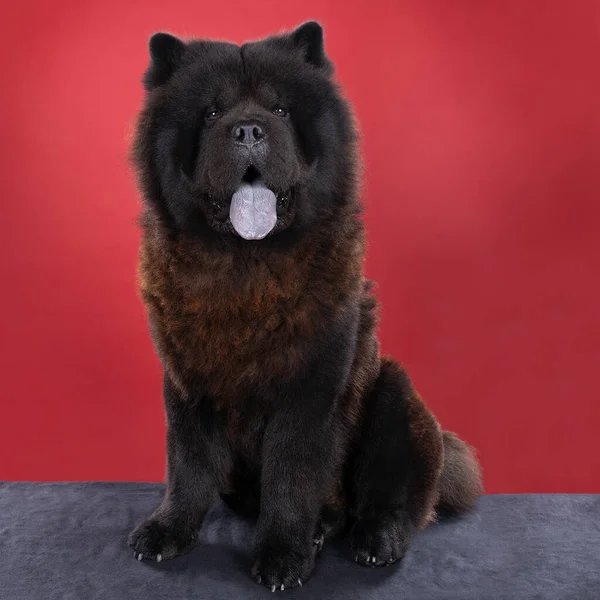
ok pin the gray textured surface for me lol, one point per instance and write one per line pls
(68, 542)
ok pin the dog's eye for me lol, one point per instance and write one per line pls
(280, 112)
(212, 114)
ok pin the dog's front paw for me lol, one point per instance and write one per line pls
(380, 541)
(280, 568)
(157, 539)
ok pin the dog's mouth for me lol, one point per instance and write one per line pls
(283, 198)
(251, 175)
(254, 210)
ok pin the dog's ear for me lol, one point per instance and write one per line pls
(166, 55)
(309, 38)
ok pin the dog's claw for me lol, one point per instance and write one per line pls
(158, 557)
(273, 588)
(282, 587)
(140, 556)
(259, 579)
(300, 582)
(319, 542)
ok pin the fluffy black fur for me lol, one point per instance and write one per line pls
(276, 396)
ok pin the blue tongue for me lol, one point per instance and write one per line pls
(253, 210)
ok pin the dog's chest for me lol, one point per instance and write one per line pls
(238, 339)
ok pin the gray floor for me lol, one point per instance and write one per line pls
(68, 542)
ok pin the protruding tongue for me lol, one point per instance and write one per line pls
(253, 210)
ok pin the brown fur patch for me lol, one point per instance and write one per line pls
(234, 322)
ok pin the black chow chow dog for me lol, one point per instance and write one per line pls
(251, 271)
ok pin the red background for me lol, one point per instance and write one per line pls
(481, 139)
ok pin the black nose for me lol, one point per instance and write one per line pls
(248, 133)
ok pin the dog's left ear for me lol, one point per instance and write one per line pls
(309, 38)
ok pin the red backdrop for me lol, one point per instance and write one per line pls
(481, 139)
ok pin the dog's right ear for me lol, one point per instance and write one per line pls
(166, 55)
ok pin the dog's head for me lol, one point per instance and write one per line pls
(244, 141)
